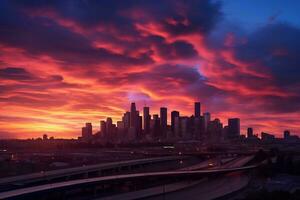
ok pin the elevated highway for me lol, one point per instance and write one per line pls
(106, 180)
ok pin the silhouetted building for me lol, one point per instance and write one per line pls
(174, 114)
(163, 120)
(233, 128)
(267, 136)
(126, 120)
(215, 129)
(177, 129)
(133, 115)
(199, 127)
(206, 120)
(109, 128)
(139, 126)
(250, 133)
(156, 128)
(147, 119)
(87, 131)
(103, 128)
(197, 109)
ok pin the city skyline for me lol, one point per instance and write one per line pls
(63, 63)
(171, 126)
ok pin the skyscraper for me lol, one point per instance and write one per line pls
(146, 116)
(87, 131)
(197, 109)
(126, 120)
(174, 114)
(249, 132)
(206, 120)
(103, 128)
(233, 127)
(133, 115)
(109, 128)
(163, 120)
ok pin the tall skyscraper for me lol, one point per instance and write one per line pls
(197, 109)
(163, 120)
(147, 119)
(87, 131)
(174, 114)
(132, 115)
(109, 128)
(103, 128)
(206, 120)
(177, 127)
(249, 132)
(233, 127)
(126, 120)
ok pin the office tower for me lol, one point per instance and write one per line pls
(206, 120)
(109, 128)
(197, 109)
(177, 129)
(174, 114)
(132, 115)
(233, 128)
(163, 120)
(89, 129)
(286, 134)
(83, 133)
(139, 126)
(184, 126)
(147, 118)
(126, 120)
(267, 136)
(103, 128)
(156, 127)
(120, 125)
(249, 132)
(215, 129)
(198, 127)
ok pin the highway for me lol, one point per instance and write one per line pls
(205, 188)
(81, 182)
(47, 175)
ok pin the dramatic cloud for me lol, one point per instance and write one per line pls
(63, 63)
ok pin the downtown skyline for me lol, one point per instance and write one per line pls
(63, 63)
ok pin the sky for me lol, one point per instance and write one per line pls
(64, 63)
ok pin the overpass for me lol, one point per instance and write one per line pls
(94, 183)
(83, 171)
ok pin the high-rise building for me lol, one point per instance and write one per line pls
(198, 127)
(132, 115)
(233, 127)
(126, 120)
(174, 114)
(109, 128)
(250, 132)
(197, 109)
(184, 126)
(87, 131)
(163, 120)
(206, 120)
(103, 128)
(156, 127)
(147, 119)
(177, 127)
(215, 130)
(139, 126)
